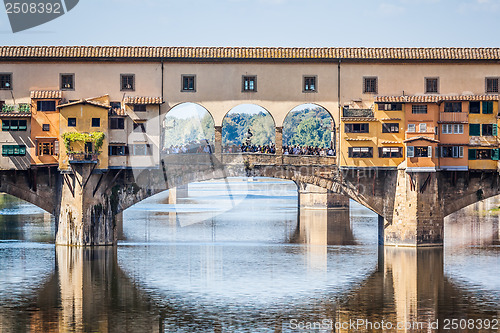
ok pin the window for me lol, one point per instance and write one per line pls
(453, 129)
(453, 107)
(484, 154)
(14, 125)
(6, 81)
(116, 123)
(390, 128)
(96, 122)
(419, 109)
(431, 85)
(13, 150)
(390, 152)
(474, 129)
(45, 148)
(411, 128)
(489, 129)
(127, 82)
(360, 152)
(189, 83)
(142, 149)
(474, 107)
(487, 107)
(492, 85)
(357, 128)
(67, 81)
(140, 108)
(46, 127)
(115, 105)
(139, 127)
(310, 84)
(390, 106)
(419, 151)
(118, 151)
(452, 151)
(422, 127)
(46, 105)
(370, 85)
(249, 83)
(71, 122)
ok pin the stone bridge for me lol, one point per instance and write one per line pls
(411, 206)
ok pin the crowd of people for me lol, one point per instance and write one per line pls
(204, 147)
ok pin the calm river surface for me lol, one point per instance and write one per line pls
(238, 256)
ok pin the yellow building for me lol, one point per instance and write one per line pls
(87, 119)
(483, 151)
(373, 137)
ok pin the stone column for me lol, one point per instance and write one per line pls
(218, 142)
(417, 218)
(176, 193)
(85, 218)
(279, 144)
(315, 197)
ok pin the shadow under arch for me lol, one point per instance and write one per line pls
(308, 109)
(246, 116)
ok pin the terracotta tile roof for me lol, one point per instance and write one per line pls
(143, 100)
(46, 94)
(382, 53)
(117, 112)
(84, 101)
(389, 142)
(389, 119)
(15, 114)
(358, 139)
(359, 119)
(434, 98)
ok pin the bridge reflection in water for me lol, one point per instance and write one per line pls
(323, 267)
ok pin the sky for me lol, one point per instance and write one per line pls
(281, 23)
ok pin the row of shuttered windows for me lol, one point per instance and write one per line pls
(425, 151)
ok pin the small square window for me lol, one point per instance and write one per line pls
(6, 81)
(116, 123)
(310, 84)
(127, 82)
(139, 127)
(139, 108)
(474, 107)
(189, 83)
(71, 122)
(419, 109)
(96, 122)
(370, 85)
(249, 83)
(431, 85)
(67, 81)
(46, 127)
(492, 85)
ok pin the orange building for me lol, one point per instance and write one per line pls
(45, 127)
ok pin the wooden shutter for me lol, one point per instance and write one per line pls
(495, 154)
(472, 154)
(429, 151)
(410, 151)
(495, 130)
(474, 129)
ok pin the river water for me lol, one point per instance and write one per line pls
(238, 256)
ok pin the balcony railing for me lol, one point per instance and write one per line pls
(365, 113)
(454, 117)
(83, 157)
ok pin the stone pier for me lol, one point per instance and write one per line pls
(175, 193)
(315, 197)
(418, 218)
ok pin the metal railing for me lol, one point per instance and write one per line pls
(83, 157)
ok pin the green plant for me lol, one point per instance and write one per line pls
(96, 137)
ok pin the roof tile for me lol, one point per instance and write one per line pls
(46, 94)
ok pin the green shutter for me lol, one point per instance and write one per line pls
(5, 150)
(474, 129)
(487, 107)
(5, 125)
(495, 130)
(22, 150)
(13, 125)
(22, 125)
(472, 154)
(495, 154)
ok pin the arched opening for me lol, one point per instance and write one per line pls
(188, 128)
(309, 129)
(248, 128)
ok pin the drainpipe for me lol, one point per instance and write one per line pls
(337, 132)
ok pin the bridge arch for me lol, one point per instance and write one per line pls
(187, 124)
(248, 117)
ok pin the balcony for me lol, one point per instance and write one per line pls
(83, 157)
(453, 117)
(357, 113)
